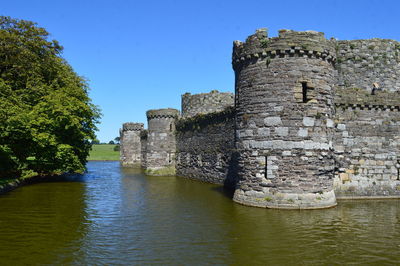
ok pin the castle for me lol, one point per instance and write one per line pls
(303, 128)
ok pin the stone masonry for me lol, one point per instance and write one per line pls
(304, 128)
(204, 146)
(363, 62)
(205, 103)
(131, 151)
(161, 141)
(284, 126)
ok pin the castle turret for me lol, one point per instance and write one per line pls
(130, 151)
(161, 143)
(284, 104)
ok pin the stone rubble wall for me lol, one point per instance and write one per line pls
(130, 150)
(360, 63)
(205, 103)
(367, 146)
(204, 146)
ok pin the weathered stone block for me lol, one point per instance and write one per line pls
(273, 121)
(282, 131)
(303, 132)
(308, 121)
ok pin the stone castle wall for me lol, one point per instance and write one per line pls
(130, 150)
(360, 63)
(367, 144)
(205, 103)
(304, 127)
(204, 146)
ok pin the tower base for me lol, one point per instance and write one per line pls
(279, 200)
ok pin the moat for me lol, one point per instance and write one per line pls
(116, 216)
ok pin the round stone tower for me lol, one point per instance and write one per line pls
(130, 151)
(284, 104)
(161, 143)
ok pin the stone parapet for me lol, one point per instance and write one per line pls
(205, 103)
(132, 126)
(306, 44)
(162, 113)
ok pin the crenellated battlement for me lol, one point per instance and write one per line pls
(289, 43)
(162, 113)
(205, 103)
(129, 126)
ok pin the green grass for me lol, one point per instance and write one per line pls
(103, 152)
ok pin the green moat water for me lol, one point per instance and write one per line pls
(115, 216)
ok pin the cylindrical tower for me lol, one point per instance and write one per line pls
(161, 143)
(130, 151)
(284, 104)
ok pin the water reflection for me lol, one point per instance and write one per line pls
(42, 223)
(119, 216)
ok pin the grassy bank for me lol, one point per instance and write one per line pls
(103, 152)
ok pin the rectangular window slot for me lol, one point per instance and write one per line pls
(305, 89)
(266, 167)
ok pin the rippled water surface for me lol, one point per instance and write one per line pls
(115, 216)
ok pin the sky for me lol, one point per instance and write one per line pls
(141, 55)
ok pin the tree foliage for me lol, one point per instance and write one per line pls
(46, 116)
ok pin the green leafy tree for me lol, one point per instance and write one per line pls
(46, 116)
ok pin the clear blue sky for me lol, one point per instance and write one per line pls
(141, 55)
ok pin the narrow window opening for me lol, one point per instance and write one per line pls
(398, 169)
(305, 88)
(266, 167)
(170, 127)
(169, 158)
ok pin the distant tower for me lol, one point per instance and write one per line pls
(130, 144)
(161, 143)
(284, 104)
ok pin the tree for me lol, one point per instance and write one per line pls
(95, 141)
(111, 142)
(117, 140)
(46, 116)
